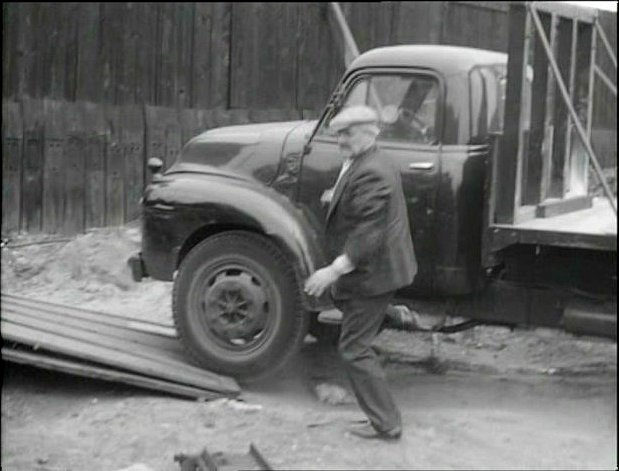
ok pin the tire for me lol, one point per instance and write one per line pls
(237, 306)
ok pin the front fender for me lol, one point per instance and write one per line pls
(182, 209)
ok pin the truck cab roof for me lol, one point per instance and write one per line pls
(448, 60)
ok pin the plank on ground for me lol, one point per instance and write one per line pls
(166, 330)
(181, 373)
(123, 333)
(97, 372)
(154, 352)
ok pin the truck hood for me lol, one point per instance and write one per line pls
(248, 150)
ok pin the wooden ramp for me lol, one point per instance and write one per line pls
(109, 347)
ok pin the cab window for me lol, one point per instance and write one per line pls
(407, 105)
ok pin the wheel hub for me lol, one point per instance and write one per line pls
(235, 306)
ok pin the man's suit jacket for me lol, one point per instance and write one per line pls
(367, 219)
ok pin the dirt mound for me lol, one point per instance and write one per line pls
(89, 270)
(90, 262)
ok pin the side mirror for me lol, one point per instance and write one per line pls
(155, 165)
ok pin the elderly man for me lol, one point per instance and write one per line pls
(368, 236)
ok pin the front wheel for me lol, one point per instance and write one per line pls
(237, 307)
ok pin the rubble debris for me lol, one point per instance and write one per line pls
(219, 461)
(333, 394)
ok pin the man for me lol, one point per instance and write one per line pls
(368, 235)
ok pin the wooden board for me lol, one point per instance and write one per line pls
(133, 146)
(533, 165)
(88, 64)
(318, 74)
(124, 333)
(10, 49)
(12, 157)
(144, 21)
(263, 56)
(75, 169)
(506, 166)
(114, 168)
(69, 14)
(465, 25)
(94, 158)
(594, 228)
(112, 352)
(416, 23)
(111, 54)
(54, 174)
(211, 55)
(32, 180)
(89, 370)
(166, 330)
(564, 48)
(163, 135)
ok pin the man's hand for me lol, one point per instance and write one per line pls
(321, 280)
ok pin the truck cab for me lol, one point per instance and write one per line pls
(237, 223)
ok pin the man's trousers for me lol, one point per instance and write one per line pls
(361, 322)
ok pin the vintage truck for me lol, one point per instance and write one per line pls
(237, 223)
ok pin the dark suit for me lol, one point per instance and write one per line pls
(367, 220)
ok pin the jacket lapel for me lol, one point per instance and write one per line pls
(344, 181)
(339, 189)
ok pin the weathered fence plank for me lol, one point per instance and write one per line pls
(416, 22)
(163, 134)
(211, 55)
(133, 144)
(111, 54)
(12, 145)
(480, 27)
(75, 167)
(54, 170)
(32, 181)
(88, 66)
(94, 122)
(318, 74)
(265, 44)
(114, 168)
(10, 49)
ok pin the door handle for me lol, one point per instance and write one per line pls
(421, 166)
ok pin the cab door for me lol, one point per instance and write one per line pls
(408, 103)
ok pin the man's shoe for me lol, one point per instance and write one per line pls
(369, 432)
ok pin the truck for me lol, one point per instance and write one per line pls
(236, 223)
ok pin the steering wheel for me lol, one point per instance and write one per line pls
(409, 119)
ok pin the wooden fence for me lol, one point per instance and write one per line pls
(92, 90)
(68, 166)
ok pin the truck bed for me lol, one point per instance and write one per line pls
(592, 228)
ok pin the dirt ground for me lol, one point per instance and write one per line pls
(501, 399)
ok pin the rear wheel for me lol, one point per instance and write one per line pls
(237, 306)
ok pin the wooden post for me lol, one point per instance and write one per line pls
(560, 120)
(568, 135)
(532, 189)
(507, 165)
(549, 129)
